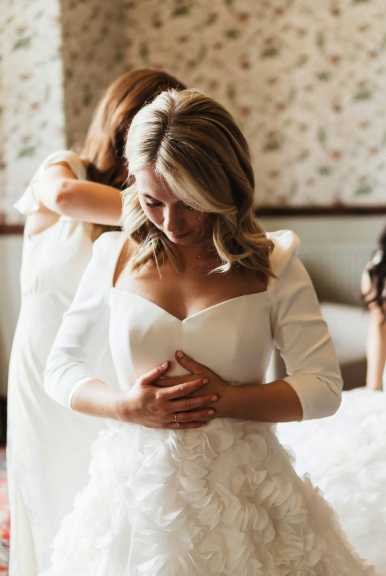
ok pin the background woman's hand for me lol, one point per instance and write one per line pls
(155, 406)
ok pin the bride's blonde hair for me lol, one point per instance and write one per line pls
(196, 147)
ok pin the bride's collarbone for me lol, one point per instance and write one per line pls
(186, 293)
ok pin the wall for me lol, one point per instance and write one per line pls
(56, 59)
(332, 230)
(31, 114)
(304, 80)
(334, 251)
(93, 54)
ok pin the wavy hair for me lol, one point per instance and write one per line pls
(104, 146)
(196, 147)
(377, 273)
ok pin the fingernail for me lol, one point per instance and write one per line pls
(210, 412)
(180, 354)
(164, 365)
(205, 381)
(214, 398)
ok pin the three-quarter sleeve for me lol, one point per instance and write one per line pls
(83, 336)
(301, 334)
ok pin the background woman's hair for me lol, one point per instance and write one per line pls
(197, 148)
(103, 152)
(377, 273)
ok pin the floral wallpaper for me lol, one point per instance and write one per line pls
(31, 112)
(306, 81)
(93, 53)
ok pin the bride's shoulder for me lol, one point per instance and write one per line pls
(111, 252)
(286, 246)
(108, 244)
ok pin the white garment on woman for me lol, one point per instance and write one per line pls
(220, 500)
(48, 446)
(345, 455)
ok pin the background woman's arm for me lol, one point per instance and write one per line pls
(61, 192)
(376, 350)
(376, 338)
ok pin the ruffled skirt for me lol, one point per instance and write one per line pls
(223, 500)
(345, 455)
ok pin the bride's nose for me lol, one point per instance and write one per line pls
(173, 220)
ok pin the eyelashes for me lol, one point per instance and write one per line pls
(156, 205)
(151, 205)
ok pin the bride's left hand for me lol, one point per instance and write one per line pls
(215, 385)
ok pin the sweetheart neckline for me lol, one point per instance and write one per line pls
(192, 315)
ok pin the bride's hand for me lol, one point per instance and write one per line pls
(215, 386)
(155, 406)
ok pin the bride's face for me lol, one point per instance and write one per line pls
(180, 223)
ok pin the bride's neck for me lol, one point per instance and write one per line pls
(198, 254)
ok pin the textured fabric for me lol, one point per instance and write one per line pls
(48, 447)
(223, 500)
(345, 456)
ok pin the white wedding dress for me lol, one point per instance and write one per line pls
(223, 500)
(345, 456)
(48, 451)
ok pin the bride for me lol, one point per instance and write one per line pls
(194, 285)
(70, 196)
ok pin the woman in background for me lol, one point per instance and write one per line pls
(68, 204)
(195, 283)
(374, 296)
(345, 454)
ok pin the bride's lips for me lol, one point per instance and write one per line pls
(177, 236)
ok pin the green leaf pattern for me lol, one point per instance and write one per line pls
(31, 116)
(304, 80)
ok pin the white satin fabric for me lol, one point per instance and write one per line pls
(345, 457)
(223, 500)
(48, 447)
(235, 338)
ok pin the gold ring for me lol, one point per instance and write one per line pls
(175, 419)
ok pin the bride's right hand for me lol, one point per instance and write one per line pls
(155, 407)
